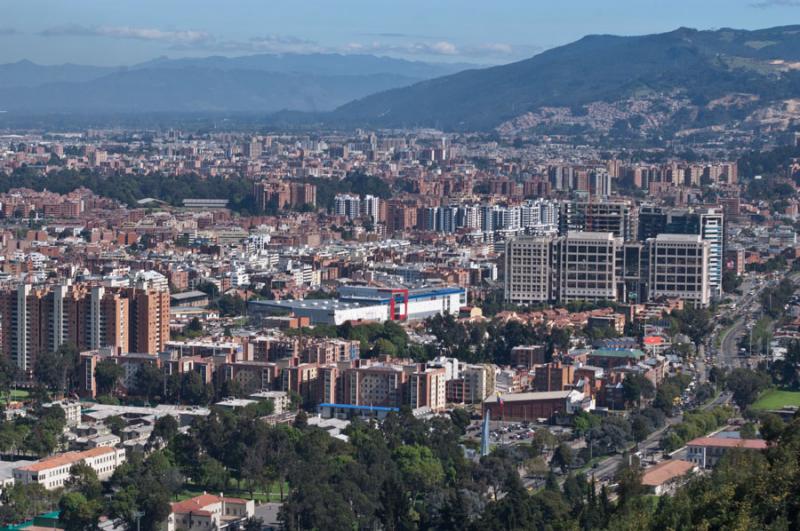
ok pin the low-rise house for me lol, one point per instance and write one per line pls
(207, 511)
(667, 476)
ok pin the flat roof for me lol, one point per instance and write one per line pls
(360, 408)
(524, 397)
(580, 235)
(188, 295)
(618, 353)
(688, 238)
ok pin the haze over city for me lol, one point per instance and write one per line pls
(443, 265)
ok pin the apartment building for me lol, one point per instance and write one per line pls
(53, 472)
(427, 388)
(37, 319)
(149, 314)
(380, 384)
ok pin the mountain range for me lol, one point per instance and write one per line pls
(255, 83)
(678, 80)
(683, 82)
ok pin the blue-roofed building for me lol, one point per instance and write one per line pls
(370, 303)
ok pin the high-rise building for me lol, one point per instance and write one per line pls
(709, 223)
(427, 388)
(301, 194)
(252, 149)
(149, 315)
(371, 207)
(617, 217)
(347, 205)
(678, 267)
(586, 266)
(528, 270)
(39, 319)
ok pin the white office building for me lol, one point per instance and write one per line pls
(679, 267)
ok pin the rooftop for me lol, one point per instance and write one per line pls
(523, 397)
(686, 238)
(67, 458)
(720, 442)
(618, 353)
(665, 471)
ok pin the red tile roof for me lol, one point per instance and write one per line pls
(65, 459)
(722, 442)
(663, 472)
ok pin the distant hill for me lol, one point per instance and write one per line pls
(27, 74)
(257, 83)
(670, 82)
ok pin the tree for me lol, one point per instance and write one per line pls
(213, 474)
(730, 281)
(164, 430)
(253, 524)
(746, 385)
(629, 481)
(635, 387)
(420, 468)
(107, 376)
(384, 347)
(461, 419)
(772, 426)
(21, 502)
(58, 370)
(9, 372)
(148, 382)
(748, 431)
(116, 424)
(78, 513)
(83, 479)
(563, 457)
(695, 322)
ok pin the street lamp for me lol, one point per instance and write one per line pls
(138, 515)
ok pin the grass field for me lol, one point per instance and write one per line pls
(274, 495)
(776, 399)
(16, 394)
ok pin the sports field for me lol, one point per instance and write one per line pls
(776, 399)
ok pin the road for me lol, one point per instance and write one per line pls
(747, 307)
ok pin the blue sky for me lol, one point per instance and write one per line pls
(113, 32)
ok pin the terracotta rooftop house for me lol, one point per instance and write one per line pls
(208, 511)
(706, 452)
(53, 472)
(665, 477)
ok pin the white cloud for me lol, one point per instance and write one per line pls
(765, 4)
(407, 48)
(393, 44)
(268, 44)
(128, 32)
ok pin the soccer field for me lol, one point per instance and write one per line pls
(776, 399)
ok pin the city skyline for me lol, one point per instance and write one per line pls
(91, 32)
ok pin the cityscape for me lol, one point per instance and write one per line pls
(288, 283)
